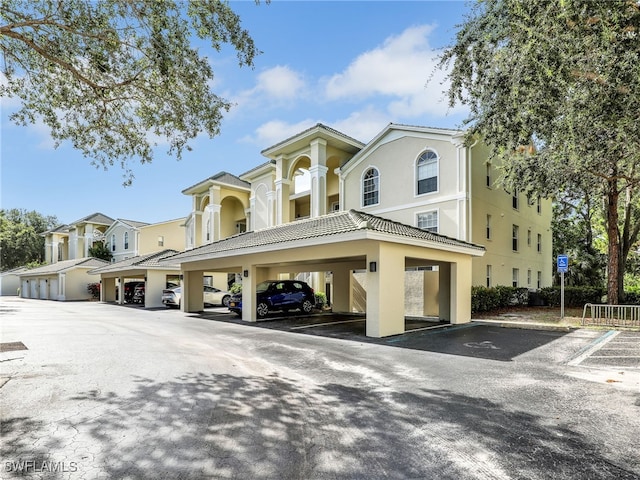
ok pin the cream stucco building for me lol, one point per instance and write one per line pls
(424, 179)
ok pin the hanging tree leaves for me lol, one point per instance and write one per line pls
(553, 87)
(117, 77)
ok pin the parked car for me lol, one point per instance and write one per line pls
(211, 296)
(129, 290)
(138, 293)
(282, 295)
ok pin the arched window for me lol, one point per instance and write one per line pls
(371, 187)
(113, 243)
(208, 228)
(126, 240)
(427, 172)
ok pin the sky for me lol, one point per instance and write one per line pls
(353, 66)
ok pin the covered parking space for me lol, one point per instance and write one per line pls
(143, 267)
(341, 243)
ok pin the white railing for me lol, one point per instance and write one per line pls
(611, 315)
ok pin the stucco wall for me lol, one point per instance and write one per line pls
(497, 203)
(172, 232)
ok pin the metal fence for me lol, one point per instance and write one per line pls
(611, 315)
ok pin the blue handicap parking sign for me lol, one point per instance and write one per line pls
(563, 263)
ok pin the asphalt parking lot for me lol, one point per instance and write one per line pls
(100, 391)
(618, 349)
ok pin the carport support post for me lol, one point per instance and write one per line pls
(156, 282)
(192, 291)
(342, 300)
(444, 292)
(385, 291)
(107, 290)
(251, 276)
(121, 290)
(461, 291)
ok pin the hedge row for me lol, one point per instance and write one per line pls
(573, 296)
(485, 299)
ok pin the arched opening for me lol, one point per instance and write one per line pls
(233, 218)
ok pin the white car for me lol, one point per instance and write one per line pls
(211, 296)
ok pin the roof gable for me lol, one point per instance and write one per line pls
(399, 130)
(149, 260)
(220, 178)
(65, 265)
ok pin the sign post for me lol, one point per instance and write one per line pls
(563, 267)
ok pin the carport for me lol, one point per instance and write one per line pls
(146, 267)
(341, 243)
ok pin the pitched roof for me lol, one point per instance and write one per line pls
(149, 260)
(317, 227)
(133, 223)
(318, 129)
(58, 267)
(14, 271)
(95, 218)
(222, 177)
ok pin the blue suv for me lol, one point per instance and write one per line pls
(282, 295)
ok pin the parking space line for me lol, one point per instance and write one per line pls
(592, 347)
(327, 323)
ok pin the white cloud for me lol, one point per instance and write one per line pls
(275, 131)
(363, 125)
(275, 85)
(280, 82)
(399, 69)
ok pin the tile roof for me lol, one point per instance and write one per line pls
(323, 226)
(310, 129)
(223, 177)
(271, 163)
(133, 223)
(149, 260)
(94, 218)
(86, 262)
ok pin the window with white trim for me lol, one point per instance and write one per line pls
(126, 240)
(113, 243)
(488, 227)
(427, 172)
(488, 276)
(514, 237)
(428, 221)
(515, 274)
(371, 187)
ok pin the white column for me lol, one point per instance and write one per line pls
(318, 190)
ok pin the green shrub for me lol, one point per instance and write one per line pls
(573, 296)
(485, 299)
(321, 299)
(236, 288)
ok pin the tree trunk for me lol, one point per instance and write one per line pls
(613, 232)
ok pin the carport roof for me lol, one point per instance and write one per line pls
(65, 265)
(150, 260)
(333, 224)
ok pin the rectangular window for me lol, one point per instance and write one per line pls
(160, 241)
(514, 238)
(488, 227)
(488, 176)
(539, 279)
(539, 205)
(515, 273)
(488, 276)
(514, 200)
(428, 221)
(528, 238)
(539, 243)
(529, 278)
